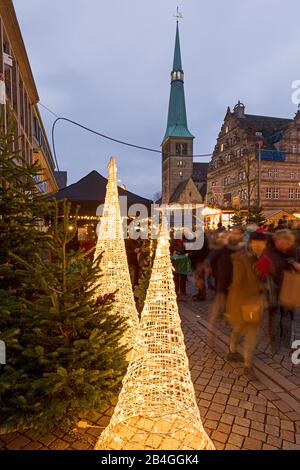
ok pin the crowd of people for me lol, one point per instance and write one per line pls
(254, 272)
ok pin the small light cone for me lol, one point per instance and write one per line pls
(114, 274)
(157, 408)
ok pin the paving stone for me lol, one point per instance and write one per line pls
(233, 401)
(252, 444)
(242, 421)
(274, 441)
(272, 430)
(219, 436)
(227, 418)
(213, 415)
(257, 426)
(59, 444)
(286, 445)
(269, 447)
(34, 445)
(18, 443)
(259, 435)
(79, 445)
(287, 425)
(217, 407)
(47, 440)
(225, 428)
(241, 430)
(255, 416)
(287, 436)
(220, 398)
(236, 439)
(235, 411)
(219, 445)
(231, 447)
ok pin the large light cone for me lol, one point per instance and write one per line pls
(114, 274)
(157, 407)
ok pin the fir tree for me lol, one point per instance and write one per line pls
(237, 219)
(255, 215)
(63, 351)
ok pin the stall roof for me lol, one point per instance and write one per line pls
(90, 191)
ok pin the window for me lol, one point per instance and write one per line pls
(222, 147)
(226, 181)
(180, 174)
(291, 193)
(226, 129)
(242, 194)
(294, 148)
(272, 193)
(214, 183)
(242, 175)
(258, 134)
(273, 172)
(295, 175)
(294, 193)
(180, 163)
(181, 149)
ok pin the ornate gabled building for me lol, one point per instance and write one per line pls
(19, 100)
(183, 181)
(256, 162)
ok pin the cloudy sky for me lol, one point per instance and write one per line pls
(107, 63)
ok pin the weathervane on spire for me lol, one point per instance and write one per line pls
(178, 15)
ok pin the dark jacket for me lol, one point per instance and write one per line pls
(221, 266)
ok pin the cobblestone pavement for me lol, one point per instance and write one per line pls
(237, 413)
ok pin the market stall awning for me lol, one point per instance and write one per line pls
(89, 193)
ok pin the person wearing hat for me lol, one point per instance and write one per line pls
(245, 302)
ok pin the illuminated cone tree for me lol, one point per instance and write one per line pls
(114, 276)
(157, 407)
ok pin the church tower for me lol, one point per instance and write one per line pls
(177, 145)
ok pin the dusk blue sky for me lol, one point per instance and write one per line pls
(107, 63)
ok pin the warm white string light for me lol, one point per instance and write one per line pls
(114, 274)
(157, 407)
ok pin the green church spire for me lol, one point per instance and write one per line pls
(177, 120)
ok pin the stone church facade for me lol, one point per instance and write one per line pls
(183, 181)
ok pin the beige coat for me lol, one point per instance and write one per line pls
(245, 287)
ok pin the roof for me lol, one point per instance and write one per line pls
(200, 170)
(177, 64)
(90, 191)
(180, 188)
(268, 125)
(177, 120)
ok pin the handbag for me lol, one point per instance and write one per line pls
(253, 310)
(289, 296)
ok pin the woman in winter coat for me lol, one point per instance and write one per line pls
(246, 289)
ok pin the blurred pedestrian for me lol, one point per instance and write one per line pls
(219, 264)
(245, 303)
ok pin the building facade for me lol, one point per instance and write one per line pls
(20, 109)
(183, 181)
(256, 162)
